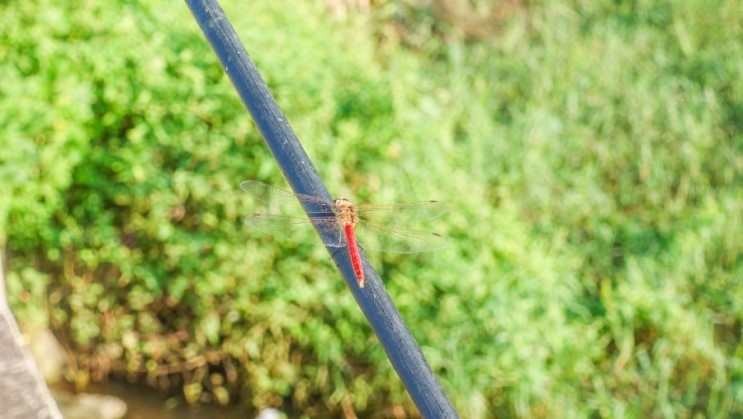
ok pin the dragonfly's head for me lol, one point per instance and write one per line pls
(342, 203)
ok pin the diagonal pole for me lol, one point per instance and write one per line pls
(374, 301)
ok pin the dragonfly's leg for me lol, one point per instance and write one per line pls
(329, 233)
(340, 236)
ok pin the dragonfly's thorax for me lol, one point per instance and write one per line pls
(345, 211)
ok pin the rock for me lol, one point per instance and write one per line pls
(270, 414)
(23, 393)
(47, 353)
(85, 406)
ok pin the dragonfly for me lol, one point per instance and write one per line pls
(344, 225)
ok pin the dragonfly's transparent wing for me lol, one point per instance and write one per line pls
(383, 239)
(284, 201)
(295, 229)
(294, 226)
(265, 192)
(401, 214)
(284, 216)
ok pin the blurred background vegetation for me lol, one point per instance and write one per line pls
(591, 153)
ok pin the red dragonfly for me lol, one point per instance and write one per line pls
(337, 221)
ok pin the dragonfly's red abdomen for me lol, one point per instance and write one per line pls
(346, 214)
(353, 252)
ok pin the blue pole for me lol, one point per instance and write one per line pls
(374, 301)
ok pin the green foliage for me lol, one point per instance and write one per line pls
(591, 153)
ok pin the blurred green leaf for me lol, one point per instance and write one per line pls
(590, 154)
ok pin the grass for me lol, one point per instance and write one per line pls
(591, 154)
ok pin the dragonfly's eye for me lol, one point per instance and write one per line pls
(342, 203)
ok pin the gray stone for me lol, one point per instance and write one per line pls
(85, 406)
(270, 413)
(48, 354)
(23, 392)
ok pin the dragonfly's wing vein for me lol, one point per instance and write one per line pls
(380, 238)
(285, 199)
(402, 214)
(264, 192)
(295, 229)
